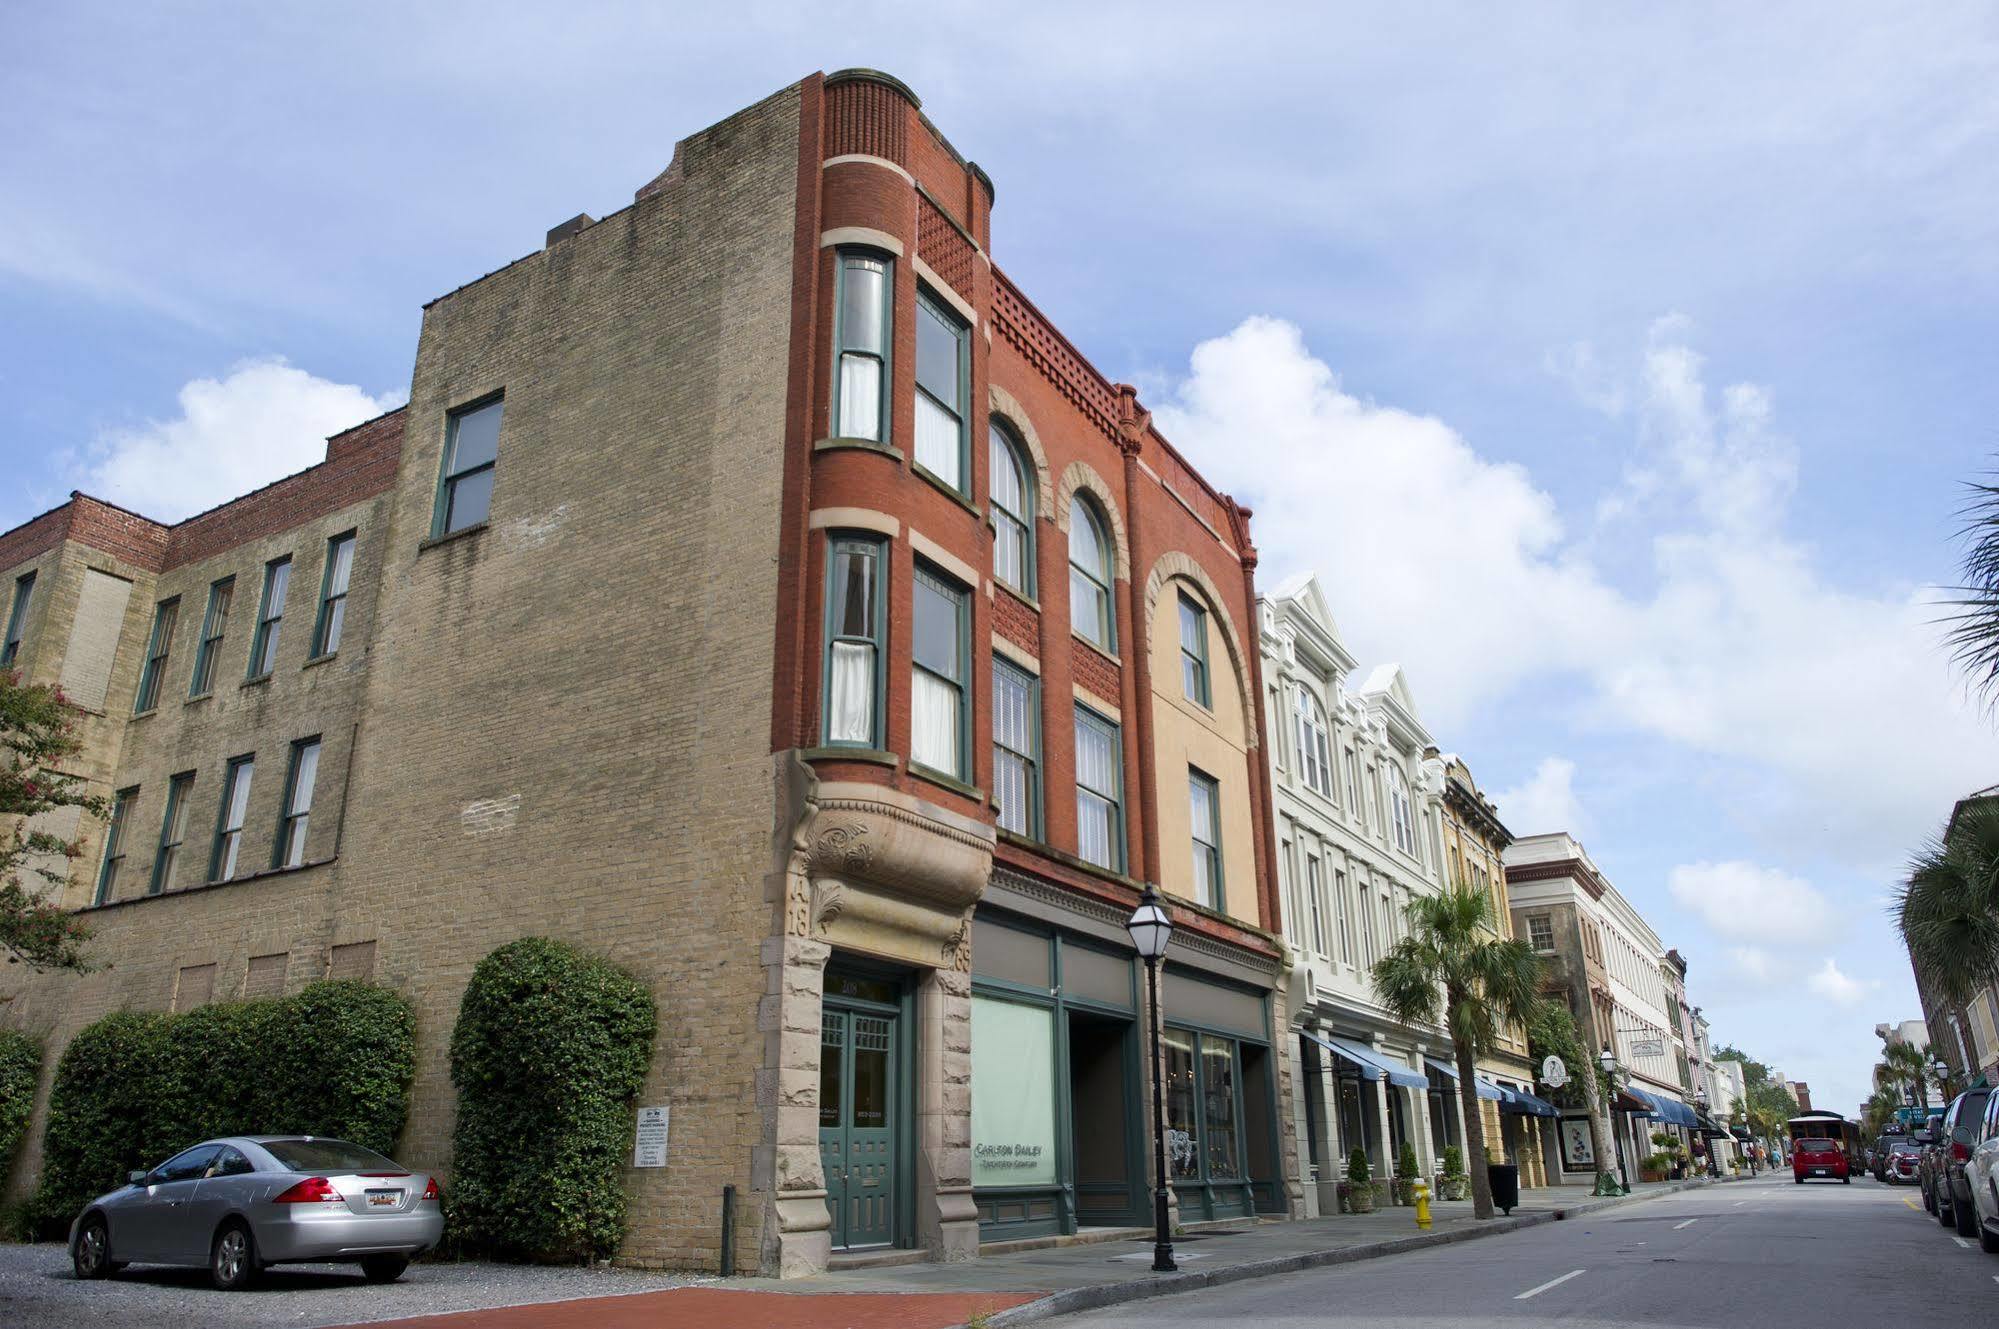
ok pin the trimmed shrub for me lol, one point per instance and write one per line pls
(548, 1056)
(333, 1059)
(20, 1068)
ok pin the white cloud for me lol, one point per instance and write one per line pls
(1836, 987)
(1754, 963)
(264, 420)
(1735, 898)
(1546, 802)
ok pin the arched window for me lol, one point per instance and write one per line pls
(1012, 512)
(1089, 575)
(1401, 813)
(1315, 755)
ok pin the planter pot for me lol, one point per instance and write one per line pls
(1358, 1199)
(1403, 1190)
(1453, 1188)
(1650, 1174)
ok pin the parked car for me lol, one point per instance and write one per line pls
(1900, 1158)
(239, 1204)
(1963, 1130)
(1814, 1156)
(1982, 1178)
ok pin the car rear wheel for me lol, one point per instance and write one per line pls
(92, 1255)
(1988, 1241)
(232, 1261)
(1963, 1217)
(384, 1268)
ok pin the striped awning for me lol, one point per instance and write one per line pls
(1372, 1065)
(1450, 1072)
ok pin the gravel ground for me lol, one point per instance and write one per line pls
(37, 1291)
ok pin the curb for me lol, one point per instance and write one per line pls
(1071, 1300)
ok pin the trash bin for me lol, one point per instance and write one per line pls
(1505, 1182)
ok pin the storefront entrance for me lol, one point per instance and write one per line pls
(862, 1083)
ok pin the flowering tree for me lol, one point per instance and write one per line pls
(37, 735)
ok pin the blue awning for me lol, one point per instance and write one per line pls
(1373, 1065)
(1522, 1103)
(1485, 1090)
(1648, 1106)
(1675, 1113)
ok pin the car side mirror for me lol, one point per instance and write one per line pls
(137, 1178)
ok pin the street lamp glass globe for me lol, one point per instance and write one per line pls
(1150, 927)
(1607, 1059)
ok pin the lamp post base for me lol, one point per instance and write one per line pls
(1162, 1244)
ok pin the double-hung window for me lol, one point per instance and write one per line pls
(1099, 791)
(940, 714)
(270, 617)
(1315, 885)
(1345, 919)
(1089, 576)
(229, 818)
(1194, 651)
(333, 595)
(288, 851)
(1353, 784)
(854, 620)
(941, 386)
(1012, 512)
(114, 843)
(471, 450)
(1314, 752)
(1204, 798)
(214, 625)
(860, 386)
(158, 647)
(1401, 814)
(17, 618)
(1541, 933)
(173, 831)
(1016, 748)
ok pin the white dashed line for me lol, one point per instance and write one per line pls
(1689, 1223)
(1962, 1243)
(1556, 1282)
(1740, 1203)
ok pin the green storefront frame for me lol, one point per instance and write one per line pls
(1237, 1024)
(860, 987)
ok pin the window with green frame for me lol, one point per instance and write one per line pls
(943, 373)
(214, 626)
(1204, 799)
(229, 817)
(114, 843)
(862, 321)
(1012, 496)
(173, 832)
(165, 616)
(1090, 613)
(333, 594)
(471, 451)
(940, 711)
(270, 617)
(855, 622)
(295, 812)
(1194, 651)
(1016, 748)
(17, 618)
(1099, 791)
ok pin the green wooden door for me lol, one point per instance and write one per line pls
(857, 1145)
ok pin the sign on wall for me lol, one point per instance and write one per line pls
(1013, 1094)
(1648, 1047)
(649, 1147)
(1577, 1153)
(1553, 1073)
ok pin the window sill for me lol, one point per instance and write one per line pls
(1069, 860)
(256, 682)
(194, 697)
(872, 756)
(1019, 595)
(945, 487)
(951, 782)
(1108, 654)
(146, 714)
(445, 539)
(261, 874)
(321, 659)
(840, 443)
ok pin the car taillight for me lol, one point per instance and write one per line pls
(430, 1191)
(1958, 1152)
(313, 1190)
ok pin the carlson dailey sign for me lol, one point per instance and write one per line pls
(1013, 1094)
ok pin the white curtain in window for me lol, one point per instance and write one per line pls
(934, 723)
(850, 700)
(937, 441)
(860, 397)
(1010, 787)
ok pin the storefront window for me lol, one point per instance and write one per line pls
(1013, 1094)
(1181, 1153)
(1218, 1088)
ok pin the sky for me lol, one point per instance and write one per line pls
(1618, 368)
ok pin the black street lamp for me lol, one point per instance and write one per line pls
(1151, 928)
(1608, 1060)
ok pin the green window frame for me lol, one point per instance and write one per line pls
(295, 811)
(173, 833)
(940, 675)
(230, 816)
(1194, 680)
(465, 475)
(333, 595)
(1017, 748)
(853, 695)
(114, 843)
(270, 617)
(17, 618)
(166, 616)
(1100, 821)
(863, 327)
(214, 626)
(1204, 801)
(1091, 613)
(943, 386)
(1012, 509)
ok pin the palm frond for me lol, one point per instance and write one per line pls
(1947, 908)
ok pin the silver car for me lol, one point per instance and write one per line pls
(247, 1201)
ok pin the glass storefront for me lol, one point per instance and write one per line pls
(1013, 1094)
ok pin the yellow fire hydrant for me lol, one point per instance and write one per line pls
(1421, 1190)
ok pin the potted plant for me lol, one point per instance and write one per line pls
(1360, 1183)
(1454, 1184)
(1406, 1173)
(1653, 1167)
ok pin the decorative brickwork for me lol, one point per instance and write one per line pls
(944, 247)
(864, 115)
(1016, 620)
(1096, 671)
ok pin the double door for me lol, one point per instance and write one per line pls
(858, 1094)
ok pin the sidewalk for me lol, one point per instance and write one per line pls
(1029, 1285)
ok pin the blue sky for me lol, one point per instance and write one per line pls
(1616, 368)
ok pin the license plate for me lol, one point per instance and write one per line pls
(384, 1199)
(1819, 1172)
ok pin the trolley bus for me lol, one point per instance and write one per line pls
(1823, 1145)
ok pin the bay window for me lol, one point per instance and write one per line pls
(942, 374)
(854, 623)
(860, 396)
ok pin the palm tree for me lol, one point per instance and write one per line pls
(1455, 963)
(1973, 636)
(1903, 1066)
(1948, 908)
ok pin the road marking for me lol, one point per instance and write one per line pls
(1689, 1223)
(1962, 1243)
(1557, 1282)
(1740, 1203)
(1906, 1200)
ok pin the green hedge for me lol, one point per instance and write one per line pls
(20, 1068)
(334, 1059)
(549, 1053)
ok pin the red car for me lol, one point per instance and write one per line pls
(1819, 1157)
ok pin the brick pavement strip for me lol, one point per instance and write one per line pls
(725, 1308)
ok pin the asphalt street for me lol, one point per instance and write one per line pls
(1768, 1253)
